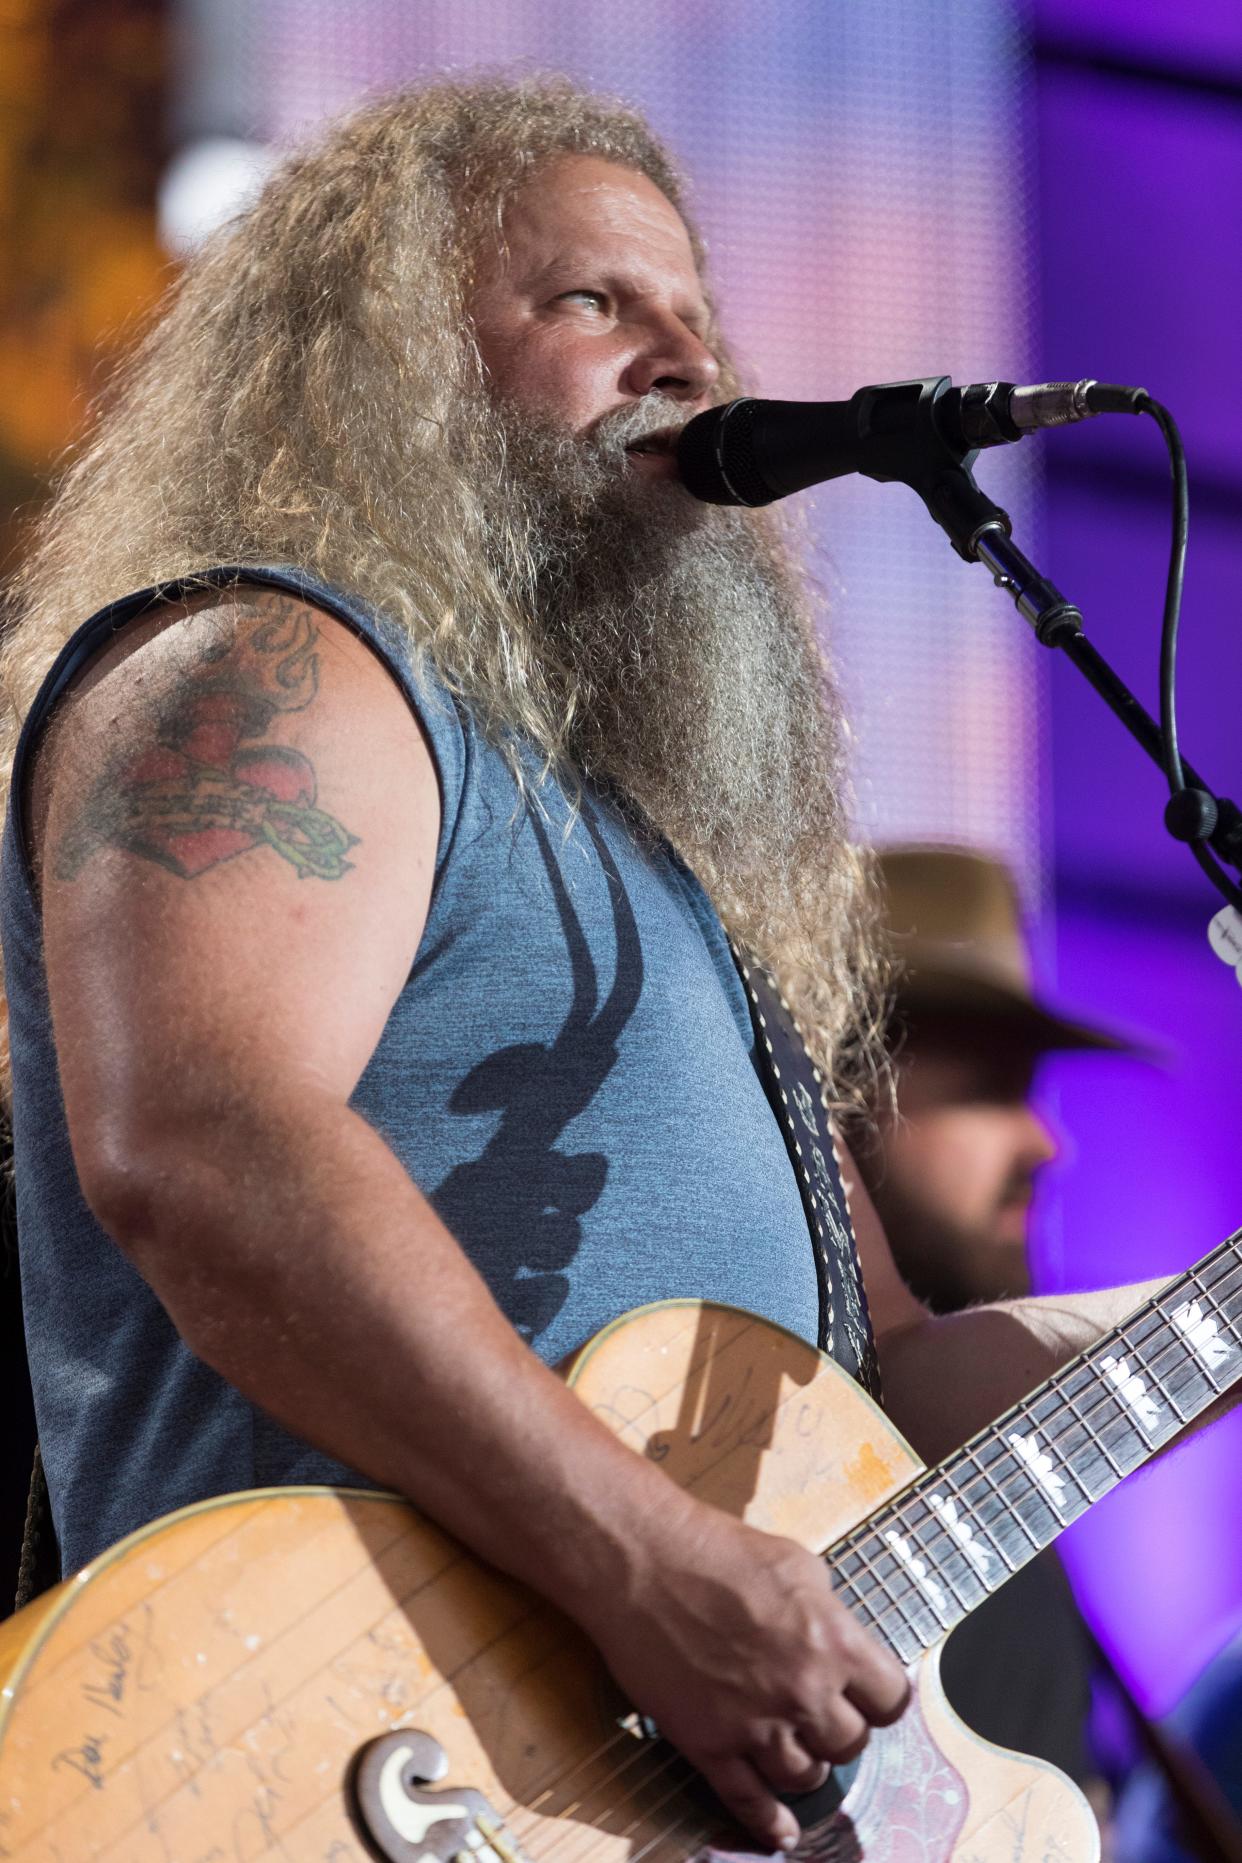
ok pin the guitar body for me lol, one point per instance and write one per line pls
(270, 1674)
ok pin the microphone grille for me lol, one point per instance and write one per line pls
(716, 455)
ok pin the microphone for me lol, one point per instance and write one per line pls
(751, 452)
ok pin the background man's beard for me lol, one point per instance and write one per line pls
(688, 666)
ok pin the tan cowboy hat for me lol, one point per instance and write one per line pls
(954, 922)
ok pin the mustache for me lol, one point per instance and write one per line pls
(656, 417)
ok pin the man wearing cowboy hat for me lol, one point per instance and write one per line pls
(951, 1169)
(952, 1173)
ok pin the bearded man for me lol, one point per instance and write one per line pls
(373, 1019)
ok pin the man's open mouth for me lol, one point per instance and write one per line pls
(662, 442)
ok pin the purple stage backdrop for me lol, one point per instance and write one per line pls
(1140, 198)
(971, 187)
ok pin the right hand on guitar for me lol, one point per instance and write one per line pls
(733, 1642)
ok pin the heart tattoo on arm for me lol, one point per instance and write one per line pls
(205, 791)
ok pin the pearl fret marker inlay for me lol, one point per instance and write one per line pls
(917, 1568)
(1133, 1392)
(950, 1518)
(1040, 1464)
(1202, 1335)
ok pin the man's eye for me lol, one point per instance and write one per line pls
(599, 298)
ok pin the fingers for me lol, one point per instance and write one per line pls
(782, 1762)
(786, 1764)
(879, 1687)
(838, 1736)
(745, 1796)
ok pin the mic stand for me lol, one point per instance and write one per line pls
(980, 532)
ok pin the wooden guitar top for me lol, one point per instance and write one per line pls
(202, 1693)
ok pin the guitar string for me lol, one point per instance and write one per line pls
(1181, 1347)
(1058, 1387)
(1080, 1419)
(636, 1742)
(1154, 1315)
(676, 1759)
(663, 1774)
(1155, 1319)
(641, 1752)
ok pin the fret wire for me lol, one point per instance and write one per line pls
(1106, 1399)
(990, 1490)
(987, 1476)
(870, 1567)
(902, 1636)
(852, 1592)
(1136, 1336)
(993, 1543)
(1089, 1361)
(1069, 1419)
(1177, 1294)
(1168, 1392)
(1191, 1362)
(910, 1588)
(1028, 1483)
(1152, 1311)
(1173, 1300)
(882, 1586)
(942, 1536)
(1182, 1353)
(1058, 1427)
(1115, 1406)
(935, 1477)
(1068, 1398)
(892, 1606)
(1098, 1438)
(1041, 1492)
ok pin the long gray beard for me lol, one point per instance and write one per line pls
(687, 658)
(684, 658)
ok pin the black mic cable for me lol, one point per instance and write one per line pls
(927, 434)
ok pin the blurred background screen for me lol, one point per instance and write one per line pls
(910, 187)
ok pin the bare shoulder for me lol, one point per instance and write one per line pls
(209, 728)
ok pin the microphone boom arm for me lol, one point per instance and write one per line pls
(981, 532)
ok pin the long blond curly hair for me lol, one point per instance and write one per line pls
(297, 401)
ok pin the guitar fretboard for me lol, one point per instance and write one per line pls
(916, 1568)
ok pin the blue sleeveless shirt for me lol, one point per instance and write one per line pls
(568, 1073)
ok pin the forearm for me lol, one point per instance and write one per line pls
(297, 1258)
(945, 1377)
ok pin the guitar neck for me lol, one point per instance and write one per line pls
(927, 1558)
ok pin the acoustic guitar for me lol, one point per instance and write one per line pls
(319, 1675)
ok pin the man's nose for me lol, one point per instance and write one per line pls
(1041, 1142)
(674, 361)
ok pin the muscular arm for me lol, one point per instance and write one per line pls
(237, 821)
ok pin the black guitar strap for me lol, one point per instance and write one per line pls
(795, 1090)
